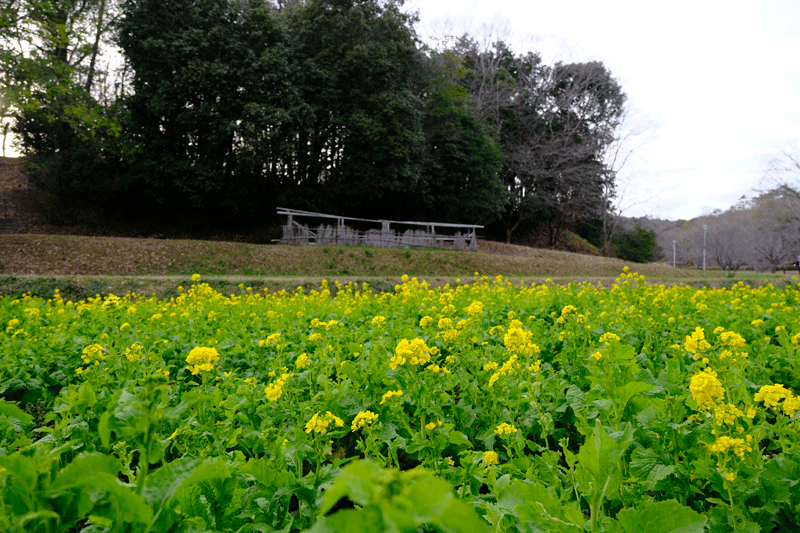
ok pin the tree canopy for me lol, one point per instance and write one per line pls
(231, 107)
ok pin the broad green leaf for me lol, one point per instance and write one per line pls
(576, 398)
(127, 506)
(162, 484)
(23, 468)
(84, 466)
(12, 411)
(356, 481)
(433, 502)
(533, 502)
(406, 499)
(629, 390)
(662, 517)
(599, 453)
(261, 470)
(622, 352)
(368, 520)
(650, 466)
(458, 438)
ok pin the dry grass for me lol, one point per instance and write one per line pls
(88, 265)
(68, 255)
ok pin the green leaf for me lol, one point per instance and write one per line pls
(368, 520)
(84, 466)
(162, 484)
(23, 468)
(127, 506)
(662, 517)
(261, 470)
(433, 502)
(599, 453)
(356, 481)
(649, 465)
(459, 439)
(104, 429)
(629, 390)
(576, 398)
(533, 502)
(406, 500)
(12, 411)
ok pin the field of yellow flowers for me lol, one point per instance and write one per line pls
(484, 406)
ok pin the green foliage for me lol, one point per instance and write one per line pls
(460, 182)
(48, 52)
(662, 517)
(358, 144)
(326, 105)
(505, 407)
(638, 245)
(211, 81)
(390, 500)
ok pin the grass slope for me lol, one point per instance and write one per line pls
(64, 255)
(80, 266)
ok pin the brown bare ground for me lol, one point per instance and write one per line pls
(60, 255)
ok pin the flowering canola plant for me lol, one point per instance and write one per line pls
(606, 405)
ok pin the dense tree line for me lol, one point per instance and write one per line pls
(228, 108)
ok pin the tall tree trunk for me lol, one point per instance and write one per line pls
(96, 46)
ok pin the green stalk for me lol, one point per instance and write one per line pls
(142, 468)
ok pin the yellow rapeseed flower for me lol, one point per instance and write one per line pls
(772, 395)
(726, 414)
(414, 351)
(490, 458)
(433, 425)
(706, 389)
(201, 355)
(134, 353)
(696, 341)
(275, 389)
(319, 424)
(725, 443)
(791, 405)
(363, 419)
(608, 338)
(505, 429)
(732, 339)
(389, 395)
(271, 339)
(475, 308)
(203, 359)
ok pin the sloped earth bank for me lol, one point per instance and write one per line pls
(75, 255)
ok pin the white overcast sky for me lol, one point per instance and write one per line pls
(719, 81)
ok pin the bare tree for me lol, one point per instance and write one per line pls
(632, 135)
(782, 176)
(776, 227)
(553, 124)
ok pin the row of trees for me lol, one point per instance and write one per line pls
(227, 108)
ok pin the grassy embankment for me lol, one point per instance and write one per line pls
(85, 266)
